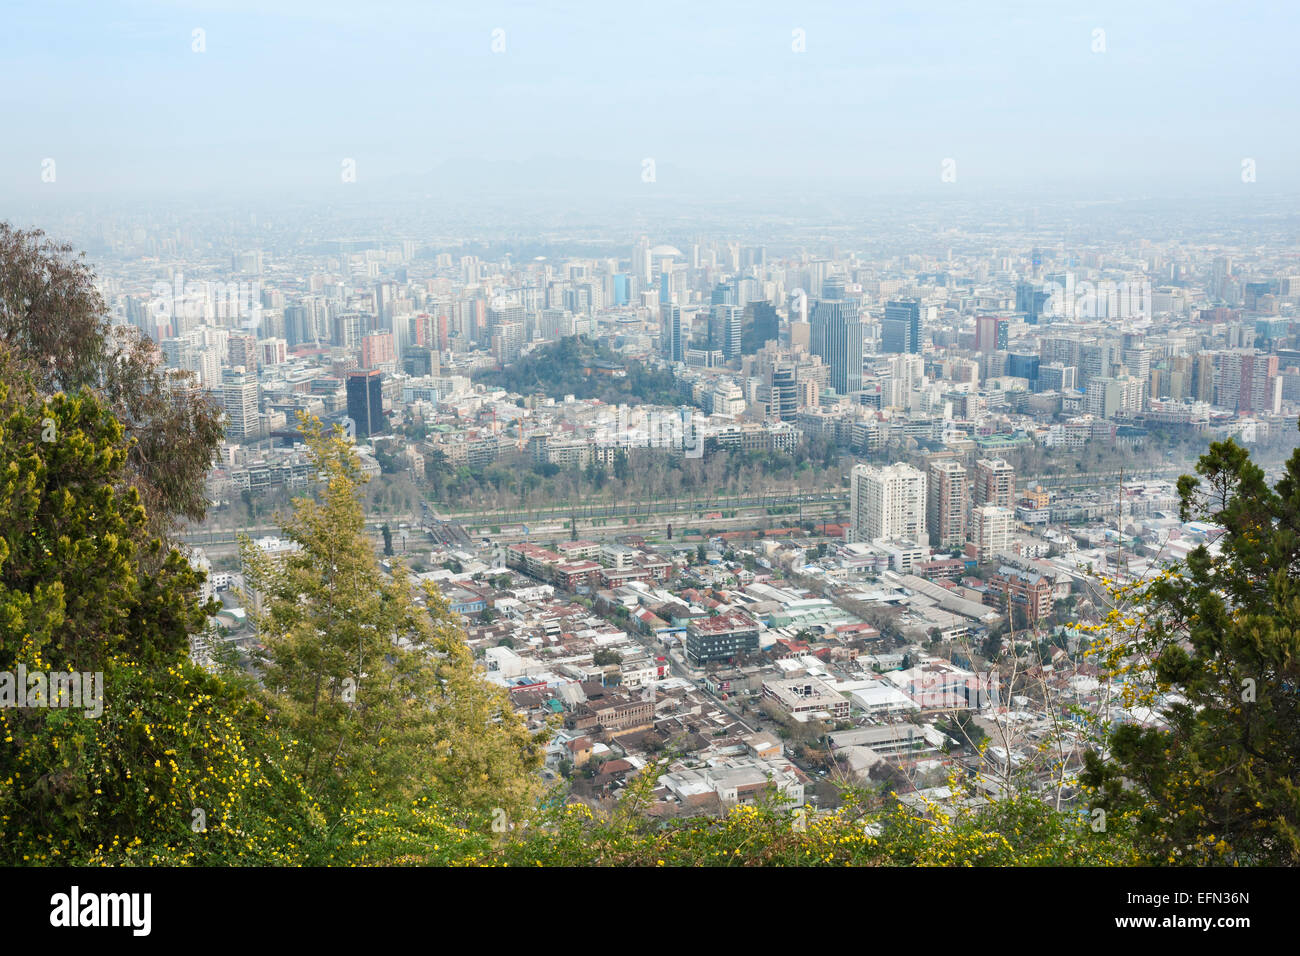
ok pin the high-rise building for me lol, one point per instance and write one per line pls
(1055, 377)
(837, 336)
(990, 333)
(729, 320)
(366, 402)
(948, 502)
(274, 351)
(995, 483)
(239, 397)
(507, 341)
(1108, 397)
(1248, 382)
(377, 350)
(1031, 300)
(1024, 365)
(241, 349)
(785, 394)
(760, 326)
(671, 332)
(888, 503)
(901, 329)
(991, 527)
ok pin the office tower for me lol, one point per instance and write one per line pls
(671, 332)
(1055, 377)
(990, 333)
(729, 319)
(1031, 300)
(1024, 365)
(622, 288)
(641, 261)
(833, 287)
(419, 361)
(785, 394)
(900, 331)
(385, 296)
(888, 503)
(995, 483)
(836, 336)
(239, 397)
(948, 502)
(761, 325)
(991, 527)
(366, 402)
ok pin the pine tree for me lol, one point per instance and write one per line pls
(380, 693)
(1218, 649)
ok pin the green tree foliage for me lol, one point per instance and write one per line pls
(1217, 648)
(560, 368)
(84, 586)
(373, 686)
(55, 323)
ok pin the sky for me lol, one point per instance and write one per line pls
(586, 98)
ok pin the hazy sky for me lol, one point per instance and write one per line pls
(584, 92)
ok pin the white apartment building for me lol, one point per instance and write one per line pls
(990, 530)
(888, 503)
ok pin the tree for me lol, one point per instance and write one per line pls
(373, 686)
(55, 323)
(605, 657)
(387, 532)
(159, 762)
(81, 577)
(1215, 646)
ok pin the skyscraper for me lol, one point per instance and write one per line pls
(948, 501)
(995, 483)
(366, 402)
(901, 329)
(837, 337)
(728, 319)
(888, 503)
(239, 396)
(671, 337)
(785, 394)
(990, 333)
(991, 528)
(1030, 299)
(760, 325)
